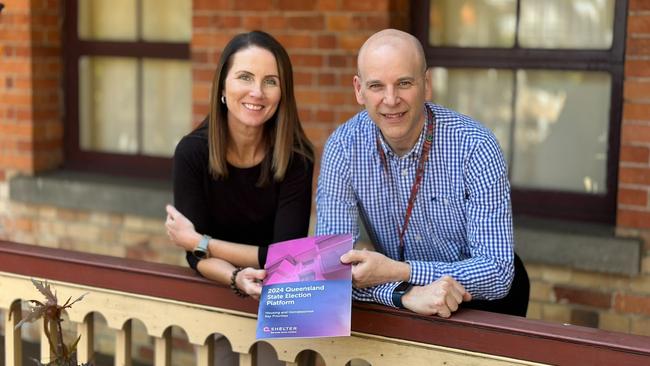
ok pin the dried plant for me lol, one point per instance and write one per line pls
(51, 312)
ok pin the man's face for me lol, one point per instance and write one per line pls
(392, 86)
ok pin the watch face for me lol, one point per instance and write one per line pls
(199, 253)
(402, 287)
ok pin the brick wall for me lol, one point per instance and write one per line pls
(322, 38)
(31, 129)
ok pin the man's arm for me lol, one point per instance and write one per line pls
(489, 270)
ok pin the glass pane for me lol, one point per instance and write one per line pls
(579, 24)
(472, 23)
(167, 95)
(167, 20)
(483, 94)
(107, 104)
(107, 20)
(561, 130)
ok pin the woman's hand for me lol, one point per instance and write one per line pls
(249, 281)
(181, 230)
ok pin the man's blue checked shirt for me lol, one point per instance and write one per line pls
(461, 225)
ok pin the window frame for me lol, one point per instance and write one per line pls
(138, 164)
(536, 202)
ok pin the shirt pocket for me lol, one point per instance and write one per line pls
(446, 216)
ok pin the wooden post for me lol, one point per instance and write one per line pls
(205, 353)
(163, 349)
(86, 345)
(13, 342)
(123, 345)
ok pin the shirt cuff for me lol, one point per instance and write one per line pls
(421, 273)
(383, 294)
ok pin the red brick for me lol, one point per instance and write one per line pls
(201, 92)
(365, 5)
(632, 304)
(327, 79)
(327, 5)
(3, 176)
(293, 41)
(336, 61)
(326, 41)
(636, 111)
(308, 96)
(211, 5)
(306, 60)
(312, 22)
(637, 68)
(253, 22)
(339, 22)
(637, 90)
(638, 46)
(296, 5)
(583, 297)
(338, 98)
(634, 175)
(210, 40)
(634, 133)
(638, 24)
(365, 22)
(633, 218)
(352, 42)
(324, 115)
(635, 154)
(636, 197)
(639, 5)
(276, 22)
(203, 74)
(253, 5)
(199, 56)
(303, 78)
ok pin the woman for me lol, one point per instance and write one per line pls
(243, 178)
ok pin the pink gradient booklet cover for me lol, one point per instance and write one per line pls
(307, 291)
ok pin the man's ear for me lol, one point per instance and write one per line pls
(356, 81)
(428, 88)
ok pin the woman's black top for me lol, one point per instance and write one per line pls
(236, 209)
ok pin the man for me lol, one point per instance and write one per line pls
(430, 185)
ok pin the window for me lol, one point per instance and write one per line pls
(546, 77)
(128, 84)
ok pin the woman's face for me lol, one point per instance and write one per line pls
(252, 87)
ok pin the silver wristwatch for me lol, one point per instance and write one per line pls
(201, 250)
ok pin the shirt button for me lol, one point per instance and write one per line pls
(418, 238)
(405, 172)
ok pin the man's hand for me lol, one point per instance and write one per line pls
(372, 268)
(181, 230)
(441, 297)
(249, 281)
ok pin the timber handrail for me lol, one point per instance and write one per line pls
(470, 330)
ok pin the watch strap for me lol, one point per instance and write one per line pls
(201, 250)
(399, 292)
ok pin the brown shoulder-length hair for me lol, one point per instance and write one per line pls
(283, 134)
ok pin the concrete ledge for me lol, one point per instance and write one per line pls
(86, 191)
(577, 245)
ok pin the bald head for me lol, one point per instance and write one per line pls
(392, 38)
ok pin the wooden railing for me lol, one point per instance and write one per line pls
(162, 295)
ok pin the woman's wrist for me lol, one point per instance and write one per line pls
(233, 283)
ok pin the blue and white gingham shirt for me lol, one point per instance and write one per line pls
(461, 225)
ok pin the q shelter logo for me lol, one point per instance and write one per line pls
(282, 330)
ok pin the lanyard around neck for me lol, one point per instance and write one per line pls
(424, 156)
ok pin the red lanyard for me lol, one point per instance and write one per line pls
(424, 156)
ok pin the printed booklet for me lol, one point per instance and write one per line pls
(307, 291)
